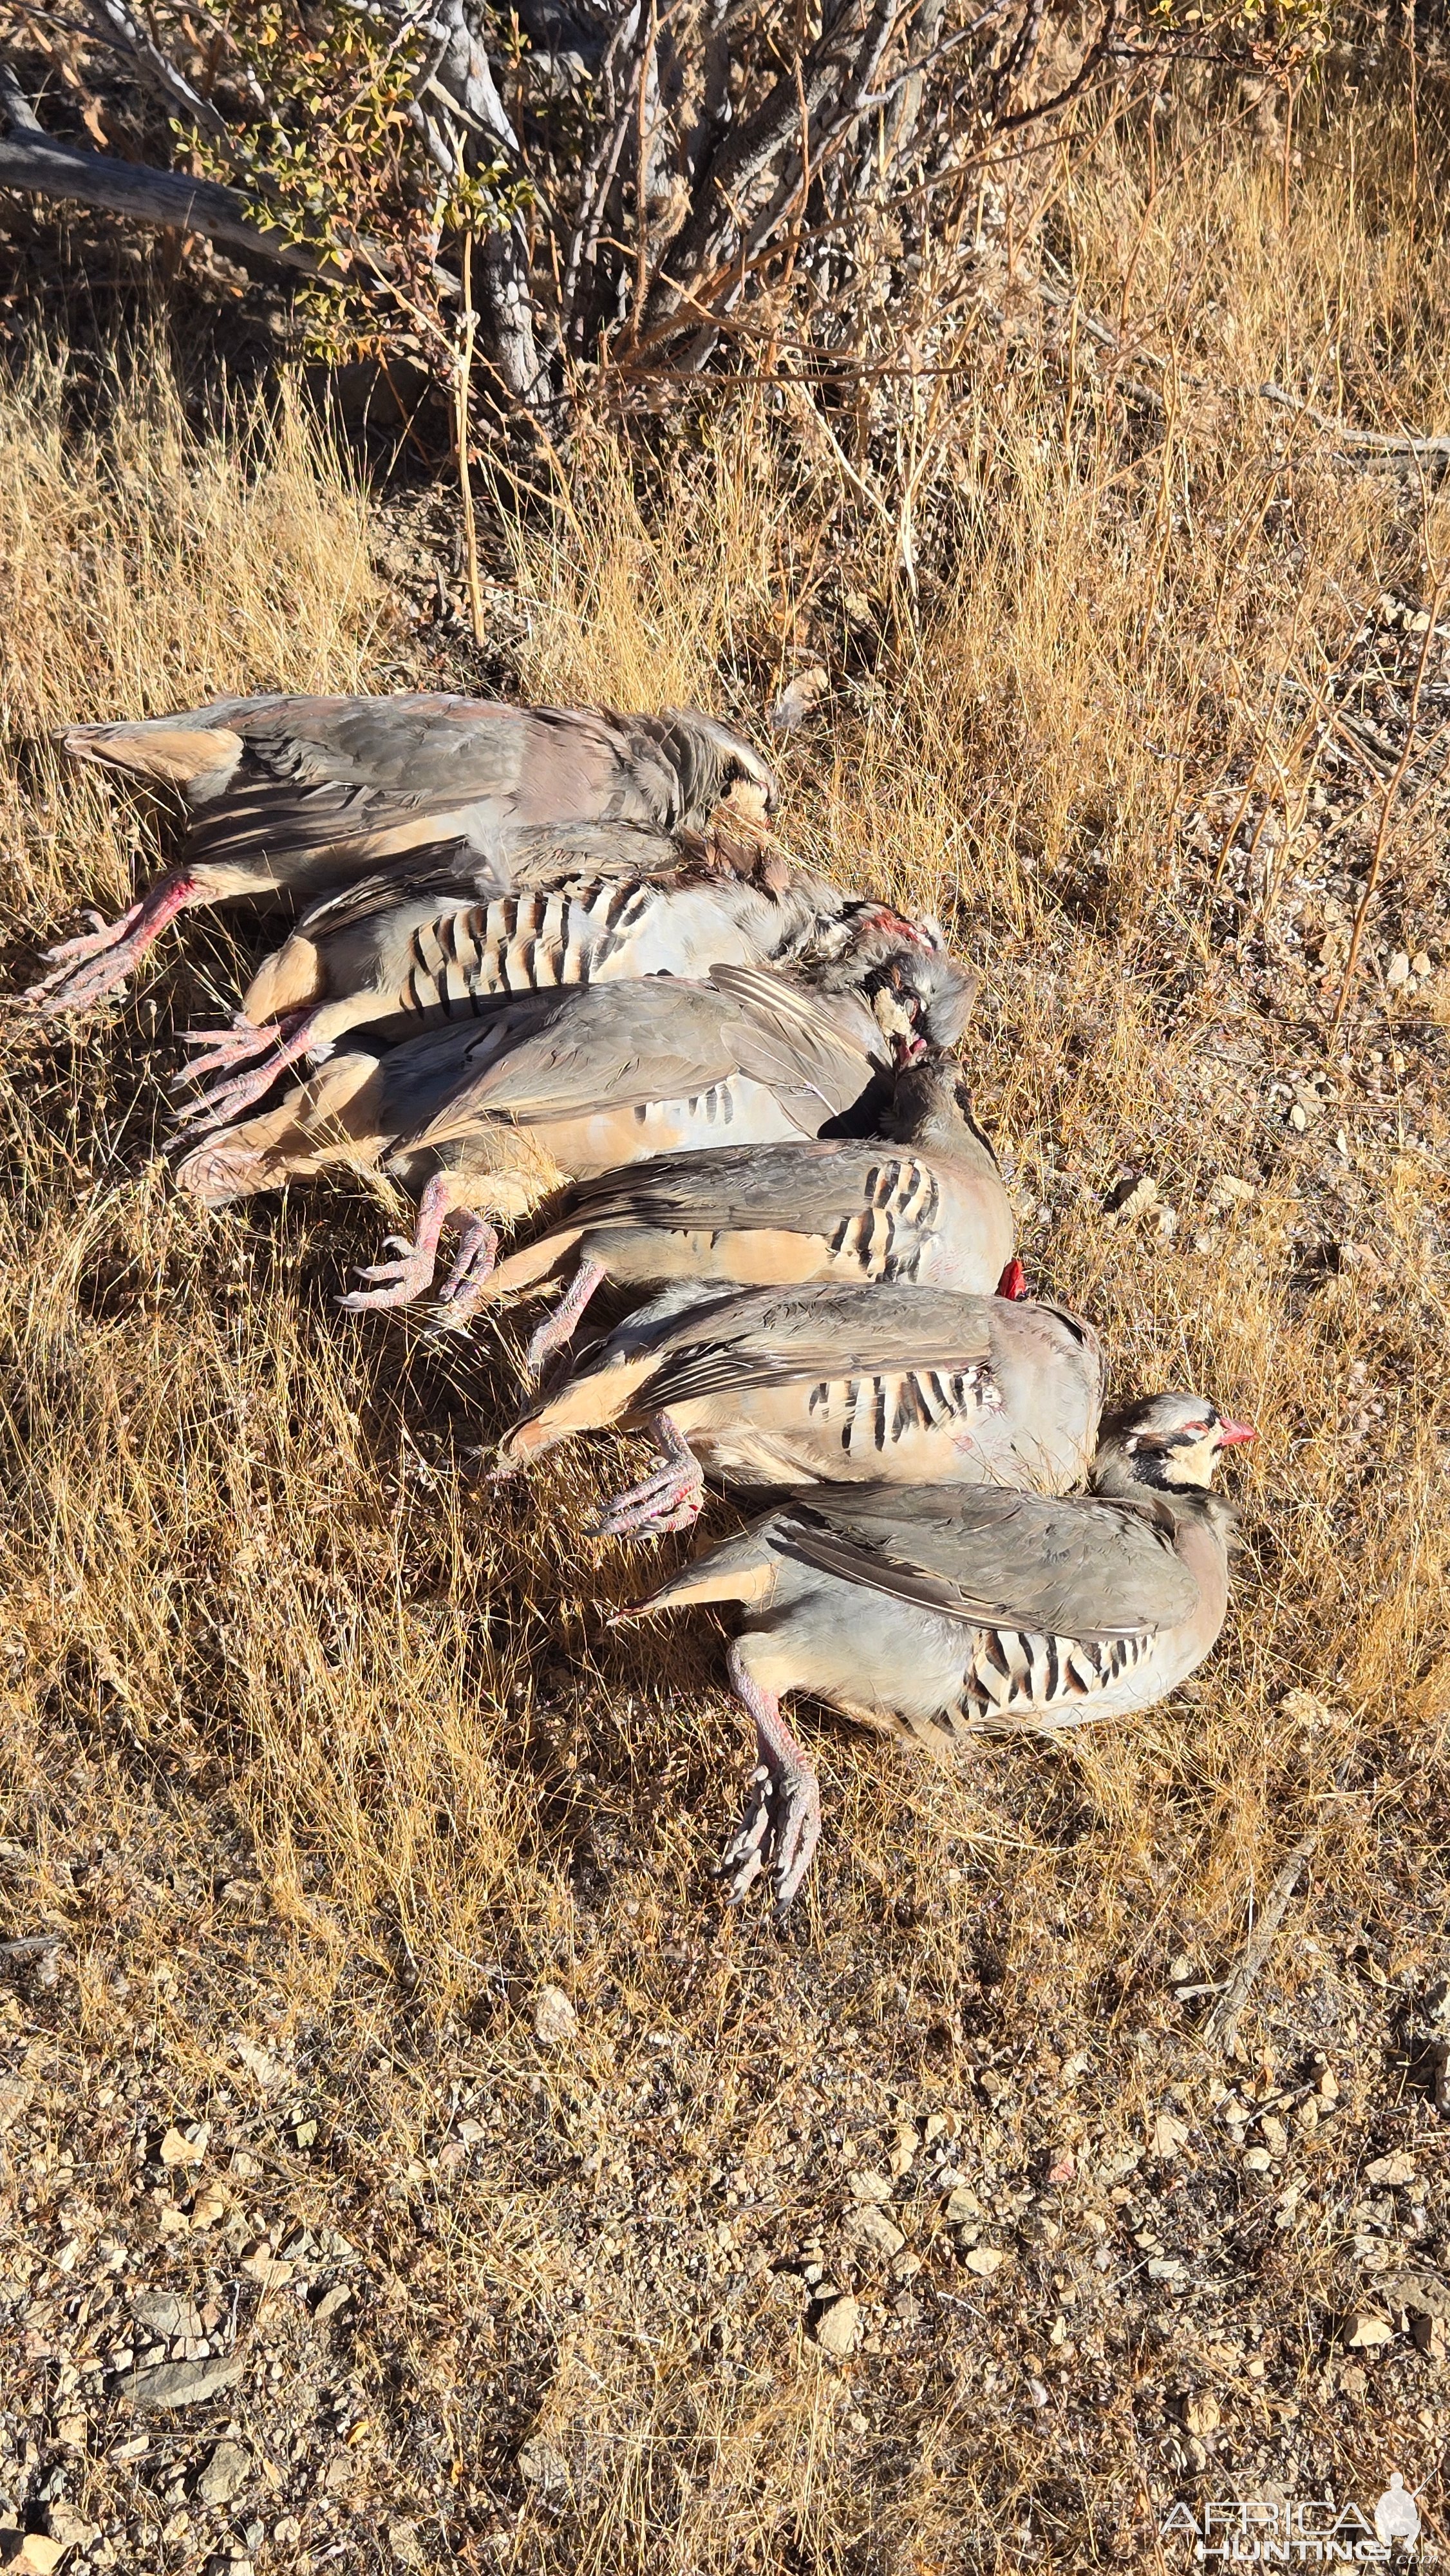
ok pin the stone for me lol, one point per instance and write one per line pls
(180, 2383)
(226, 2473)
(162, 2313)
(1201, 2411)
(555, 2019)
(404, 2546)
(1398, 970)
(1169, 2134)
(1274, 2134)
(1361, 2332)
(984, 2260)
(1389, 2170)
(870, 2226)
(332, 2303)
(178, 2149)
(837, 2328)
(263, 2265)
(1256, 2160)
(1428, 2334)
(1420, 964)
(865, 2185)
(962, 2205)
(30, 2553)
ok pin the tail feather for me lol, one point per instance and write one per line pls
(199, 757)
(588, 1403)
(535, 1263)
(290, 979)
(744, 1569)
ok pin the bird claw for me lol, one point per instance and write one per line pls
(777, 1834)
(222, 1103)
(473, 1264)
(101, 969)
(236, 1045)
(671, 1500)
(400, 1281)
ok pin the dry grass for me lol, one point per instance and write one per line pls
(313, 1741)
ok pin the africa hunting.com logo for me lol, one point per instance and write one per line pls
(1307, 2531)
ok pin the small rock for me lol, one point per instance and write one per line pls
(1274, 2134)
(180, 2383)
(332, 2303)
(178, 2149)
(984, 2260)
(555, 2019)
(869, 2186)
(1361, 2332)
(30, 2553)
(962, 2204)
(164, 2314)
(226, 2473)
(1398, 970)
(1429, 2335)
(403, 2544)
(837, 2328)
(1201, 2411)
(1169, 2134)
(1256, 2160)
(263, 2265)
(1391, 2169)
(1420, 965)
(869, 2225)
(1298, 1119)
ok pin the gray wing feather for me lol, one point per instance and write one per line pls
(1071, 1568)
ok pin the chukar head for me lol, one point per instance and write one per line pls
(1169, 1442)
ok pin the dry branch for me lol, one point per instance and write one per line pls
(1223, 2021)
(38, 165)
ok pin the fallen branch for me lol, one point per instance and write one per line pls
(39, 165)
(1222, 2022)
(1380, 442)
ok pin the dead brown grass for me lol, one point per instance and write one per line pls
(312, 1740)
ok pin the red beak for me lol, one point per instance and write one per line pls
(1231, 1433)
(1013, 1282)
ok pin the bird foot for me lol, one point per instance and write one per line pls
(557, 1329)
(400, 1281)
(672, 1499)
(781, 1826)
(473, 1264)
(777, 1834)
(236, 1045)
(100, 959)
(285, 1041)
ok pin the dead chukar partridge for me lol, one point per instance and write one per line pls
(839, 1382)
(938, 1616)
(603, 901)
(296, 793)
(487, 1120)
(920, 1201)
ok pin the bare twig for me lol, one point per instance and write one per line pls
(465, 484)
(1223, 2021)
(1387, 807)
(1379, 442)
